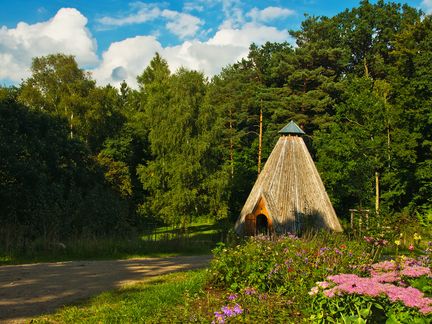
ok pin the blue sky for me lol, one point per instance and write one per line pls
(116, 39)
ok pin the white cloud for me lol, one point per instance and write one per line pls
(64, 33)
(249, 33)
(124, 60)
(269, 13)
(145, 12)
(128, 58)
(427, 5)
(193, 6)
(233, 11)
(181, 24)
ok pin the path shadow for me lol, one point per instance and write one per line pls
(30, 290)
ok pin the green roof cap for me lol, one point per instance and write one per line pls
(292, 128)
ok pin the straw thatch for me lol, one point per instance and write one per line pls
(289, 193)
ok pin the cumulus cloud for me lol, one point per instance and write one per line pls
(427, 5)
(132, 56)
(124, 60)
(66, 32)
(269, 13)
(249, 33)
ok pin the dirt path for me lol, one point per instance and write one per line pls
(33, 289)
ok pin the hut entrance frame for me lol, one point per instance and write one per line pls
(258, 222)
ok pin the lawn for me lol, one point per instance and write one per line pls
(146, 302)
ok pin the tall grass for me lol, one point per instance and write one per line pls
(161, 241)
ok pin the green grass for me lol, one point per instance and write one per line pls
(146, 302)
(200, 238)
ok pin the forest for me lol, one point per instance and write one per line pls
(82, 160)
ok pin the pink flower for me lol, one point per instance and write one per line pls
(411, 247)
(415, 271)
(323, 284)
(343, 278)
(410, 296)
(384, 266)
(314, 290)
(392, 276)
(330, 293)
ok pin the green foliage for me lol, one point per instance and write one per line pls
(49, 186)
(182, 146)
(287, 266)
(363, 309)
(183, 177)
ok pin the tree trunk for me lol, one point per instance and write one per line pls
(231, 144)
(377, 193)
(71, 126)
(260, 139)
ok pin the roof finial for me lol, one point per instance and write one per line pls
(292, 129)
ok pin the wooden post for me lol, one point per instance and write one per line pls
(360, 224)
(367, 219)
(352, 218)
(260, 139)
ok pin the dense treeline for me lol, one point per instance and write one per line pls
(79, 159)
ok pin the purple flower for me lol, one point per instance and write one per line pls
(232, 296)
(237, 309)
(289, 261)
(227, 311)
(218, 318)
(249, 291)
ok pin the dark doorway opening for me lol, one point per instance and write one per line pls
(261, 224)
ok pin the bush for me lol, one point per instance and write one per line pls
(286, 265)
(396, 292)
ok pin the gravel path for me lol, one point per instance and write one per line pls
(30, 290)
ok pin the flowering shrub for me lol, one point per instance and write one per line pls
(287, 266)
(393, 290)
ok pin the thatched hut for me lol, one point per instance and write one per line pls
(289, 195)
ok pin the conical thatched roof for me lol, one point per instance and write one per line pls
(289, 192)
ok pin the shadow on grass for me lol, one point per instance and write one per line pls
(199, 241)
